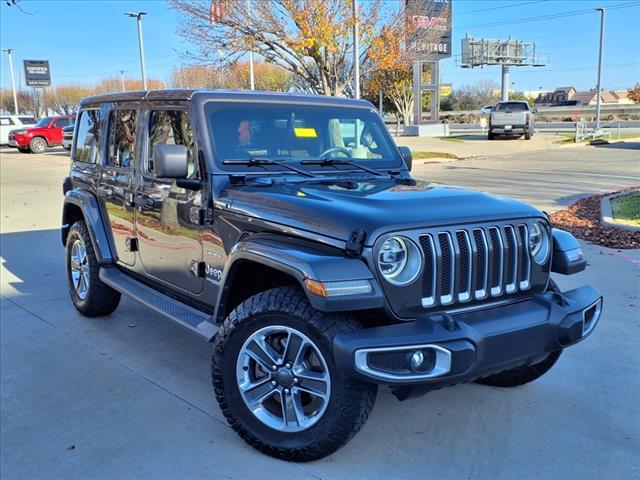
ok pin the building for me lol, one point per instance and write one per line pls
(570, 96)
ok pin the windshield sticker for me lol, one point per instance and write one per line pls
(305, 132)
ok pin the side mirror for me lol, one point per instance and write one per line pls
(170, 161)
(407, 156)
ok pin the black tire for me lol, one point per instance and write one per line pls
(350, 401)
(24, 150)
(528, 135)
(38, 145)
(100, 299)
(491, 135)
(522, 375)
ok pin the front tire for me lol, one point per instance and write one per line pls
(90, 296)
(277, 383)
(491, 135)
(38, 145)
(24, 150)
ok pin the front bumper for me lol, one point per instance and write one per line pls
(469, 345)
(12, 143)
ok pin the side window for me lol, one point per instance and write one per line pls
(122, 135)
(6, 121)
(172, 127)
(61, 122)
(88, 139)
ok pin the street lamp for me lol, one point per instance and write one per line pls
(138, 16)
(601, 10)
(13, 81)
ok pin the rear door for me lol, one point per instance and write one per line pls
(167, 221)
(116, 185)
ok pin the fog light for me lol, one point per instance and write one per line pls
(423, 360)
(417, 359)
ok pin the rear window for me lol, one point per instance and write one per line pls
(6, 121)
(27, 120)
(512, 107)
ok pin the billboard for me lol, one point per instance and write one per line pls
(428, 25)
(37, 73)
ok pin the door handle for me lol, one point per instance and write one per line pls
(105, 191)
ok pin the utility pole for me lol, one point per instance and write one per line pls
(13, 81)
(122, 79)
(252, 80)
(356, 52)
(601, 10)
(138, 16)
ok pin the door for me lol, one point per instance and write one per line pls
(117, 181)
(55, 135)
(167, 220)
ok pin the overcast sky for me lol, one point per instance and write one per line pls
(89, 40)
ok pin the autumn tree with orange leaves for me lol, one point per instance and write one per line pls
(390, 71)
(312, 39)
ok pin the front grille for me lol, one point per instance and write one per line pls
(474, 264)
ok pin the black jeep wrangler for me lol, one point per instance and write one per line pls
(287, 230)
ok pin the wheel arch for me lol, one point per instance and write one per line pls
(268, 262)
(40, 136)
(83, 205)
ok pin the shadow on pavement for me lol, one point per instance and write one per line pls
(622, 145)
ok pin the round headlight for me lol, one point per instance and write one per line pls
(539, 243)
(399, 260)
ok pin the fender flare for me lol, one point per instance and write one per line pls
(88, 205)
(302, 260)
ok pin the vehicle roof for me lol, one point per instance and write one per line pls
(188, 94)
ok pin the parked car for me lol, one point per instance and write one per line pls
(511, 118)
(44, 134)
(13, 122)
(486, 110)
(67, 136)
(287, 230)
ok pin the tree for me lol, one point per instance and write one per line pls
(474, 96)
(522, 97)
(235, 76)
(634, 93)
(114, 84)
(309, 38)
(390, 71)
(64, 99)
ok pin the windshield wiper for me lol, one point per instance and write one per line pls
(261, 162)
(332, 162)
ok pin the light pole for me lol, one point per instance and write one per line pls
(13, 81)
(356, 50)
(122, 79)
(219, 52)
(252, 80)
(601, 10)
(138, 16)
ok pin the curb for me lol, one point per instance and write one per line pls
(606, 214)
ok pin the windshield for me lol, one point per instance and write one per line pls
(295, 133)
(43, 122)
(512, 107)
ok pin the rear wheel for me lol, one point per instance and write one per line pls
(38, 145)
(90, 296)
(528, 135)
(491, 135)
(276, 381)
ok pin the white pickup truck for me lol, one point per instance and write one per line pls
(511, 118)
(13, 122)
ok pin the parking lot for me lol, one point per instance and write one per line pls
(129, 395)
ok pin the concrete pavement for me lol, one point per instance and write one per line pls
(129, 395)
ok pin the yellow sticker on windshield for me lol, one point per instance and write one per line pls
(305, 132)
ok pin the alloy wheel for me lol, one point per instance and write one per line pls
(80, 269)
(283, 378)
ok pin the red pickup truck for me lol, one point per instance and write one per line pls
(46, 133)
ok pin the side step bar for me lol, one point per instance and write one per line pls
(191, 318)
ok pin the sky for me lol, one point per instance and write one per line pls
(87, 40)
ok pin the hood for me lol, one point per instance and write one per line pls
(377, 206)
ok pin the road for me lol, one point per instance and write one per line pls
(129, 395)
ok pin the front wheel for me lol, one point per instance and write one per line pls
(38, 145)
(24, 149)
(276, 381)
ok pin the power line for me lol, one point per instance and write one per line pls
(551, 16)
(501, 7)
